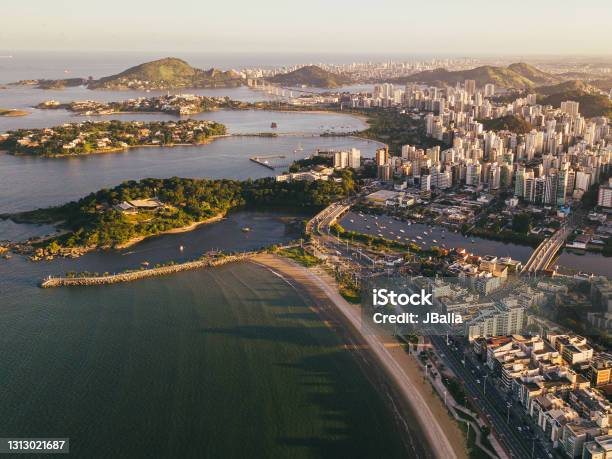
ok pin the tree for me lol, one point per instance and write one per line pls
(521, 223)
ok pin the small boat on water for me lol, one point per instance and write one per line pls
(473, 241)
(352, 221)
(246, 229)
(181, 248)
(434, 241)
(402, 231)
(419, 238)
(368, 227)
(145, 263)
(425, 233)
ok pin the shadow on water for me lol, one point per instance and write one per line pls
(227, 362)
(343, 406)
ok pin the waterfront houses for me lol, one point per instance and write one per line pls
(97, 137)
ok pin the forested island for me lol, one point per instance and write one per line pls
(106, 136)
(134, 210)
(175, 104)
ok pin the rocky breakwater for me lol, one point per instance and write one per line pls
(129, 276)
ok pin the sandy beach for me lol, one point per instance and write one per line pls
(181, 229)
(410, 393)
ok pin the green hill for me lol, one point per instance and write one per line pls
(312, 76)
(510, 123)
(516, 76)
(567, 86)
(590, 104)
(168, 73)
(533, 74)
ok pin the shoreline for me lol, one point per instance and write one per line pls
(181, 229)
(409, 394)
(119, 149)
(76, 252)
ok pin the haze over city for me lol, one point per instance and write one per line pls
(354, 27)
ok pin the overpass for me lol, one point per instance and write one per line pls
(545, 253)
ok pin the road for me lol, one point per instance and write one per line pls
(493, 404)
(503, 420)
(544, 254)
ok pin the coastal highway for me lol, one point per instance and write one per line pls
(492, 404)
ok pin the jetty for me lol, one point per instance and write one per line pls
(130, 276)
(263, 160)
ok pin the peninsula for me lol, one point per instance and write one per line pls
(159, 75)
(171, 73)
(128, 213)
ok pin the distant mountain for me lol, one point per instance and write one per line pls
(605, 84)
(168, 73)
(517, 76)
(312, 76)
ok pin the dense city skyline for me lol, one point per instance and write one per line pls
(347, 27)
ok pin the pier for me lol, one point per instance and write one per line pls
(130, 276)
(263, 161)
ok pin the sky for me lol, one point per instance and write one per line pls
(445, 27)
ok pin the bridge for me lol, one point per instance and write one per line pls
(275, 89)
(545, 253)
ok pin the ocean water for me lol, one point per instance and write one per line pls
(226, 362)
